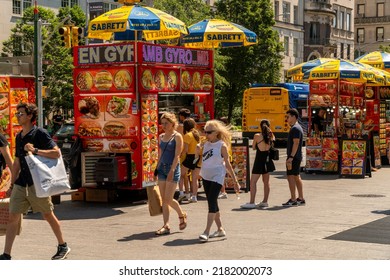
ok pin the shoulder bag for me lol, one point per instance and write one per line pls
(273, 153)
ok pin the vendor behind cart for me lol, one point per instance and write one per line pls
(318, 121)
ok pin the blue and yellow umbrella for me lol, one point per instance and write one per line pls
(155, 24)
(296, 72)
(377, 59)
(340, 69)
(214, 33)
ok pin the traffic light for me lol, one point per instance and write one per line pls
(76, 35)
(65, 36)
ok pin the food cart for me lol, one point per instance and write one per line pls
(120, 92)
(345, 120)
(16, 85)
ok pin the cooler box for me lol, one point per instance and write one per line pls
(111, 170)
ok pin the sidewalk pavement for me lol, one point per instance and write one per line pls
(343, 219)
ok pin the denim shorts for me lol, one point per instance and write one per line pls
(163, 170)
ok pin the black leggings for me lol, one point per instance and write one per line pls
(212, 190)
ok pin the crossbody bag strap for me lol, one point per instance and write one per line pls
(173, 136)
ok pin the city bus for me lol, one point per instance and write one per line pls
(271, 102)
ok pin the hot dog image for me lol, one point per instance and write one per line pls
(94, 145)
(114, 128)
(119, 146)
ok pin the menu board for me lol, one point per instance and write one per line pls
(351, 94)
(149, 138)
(313, 154)
(377, 153)
(240, 164)
(115, 79)
(160, 79)
(330, 157)
(323, 93)
(353, 158)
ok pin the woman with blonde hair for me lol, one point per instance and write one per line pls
(168, 171)
(215, 163)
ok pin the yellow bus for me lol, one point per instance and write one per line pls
(272, 102)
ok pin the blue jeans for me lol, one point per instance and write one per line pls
(163, 170)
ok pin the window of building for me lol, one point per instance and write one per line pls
(69, 3)
(286, 11)
(361, 10)
(27, 4)
(106, 7)
(276, 9)
(341, 50)
(360, 35)
(335, 52)
(295, 47)
(335, 19)
(296, 15)
(314, 33)
(348, 22)
(341, 23)
(348, 51)
(286, 45)
(380, 33)
(380, 9)
(17, 7)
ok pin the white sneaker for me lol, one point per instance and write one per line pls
(218, 233)
(262, 204)
(193, 199)
(181, 197)
(248, 206)
(203, 237)
(222, 195)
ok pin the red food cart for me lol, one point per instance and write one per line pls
(120, 92)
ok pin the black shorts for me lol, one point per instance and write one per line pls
(296, 167)
(189, 162)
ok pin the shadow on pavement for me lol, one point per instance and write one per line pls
(139, 236)
(187, 242)
(373, 232)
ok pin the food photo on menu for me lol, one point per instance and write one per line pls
(118, 106)
(89, 107)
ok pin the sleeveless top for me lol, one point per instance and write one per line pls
(213, 165)
(170, 149)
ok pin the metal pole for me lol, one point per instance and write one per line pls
(38, 64)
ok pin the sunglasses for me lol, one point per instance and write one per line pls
(209, 132)
(19, 114)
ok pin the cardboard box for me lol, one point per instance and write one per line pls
(100, 195)
(4, 213)
(78, 196)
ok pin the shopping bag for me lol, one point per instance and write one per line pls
(49, 175)
(4, 213)
(154, 200)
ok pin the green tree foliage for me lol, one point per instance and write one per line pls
(259, 63)
(58, 71)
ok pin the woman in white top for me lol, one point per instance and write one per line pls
(215, 162)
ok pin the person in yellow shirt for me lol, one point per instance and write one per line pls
(191, 139)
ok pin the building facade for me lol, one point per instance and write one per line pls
(372, 25)
(289, 16)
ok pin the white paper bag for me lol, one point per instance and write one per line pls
(49, 175)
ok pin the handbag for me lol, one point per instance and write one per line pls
(154, 200)
(48, 174)
(158, 163)
(273, 153)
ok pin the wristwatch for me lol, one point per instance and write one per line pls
(35, 151)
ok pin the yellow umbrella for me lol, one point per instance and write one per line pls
(296, 72)
(214, 33)
(377, 59)
(382, 77)
(340, 69)
(155, 24)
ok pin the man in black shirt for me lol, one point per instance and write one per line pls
(37, 141)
